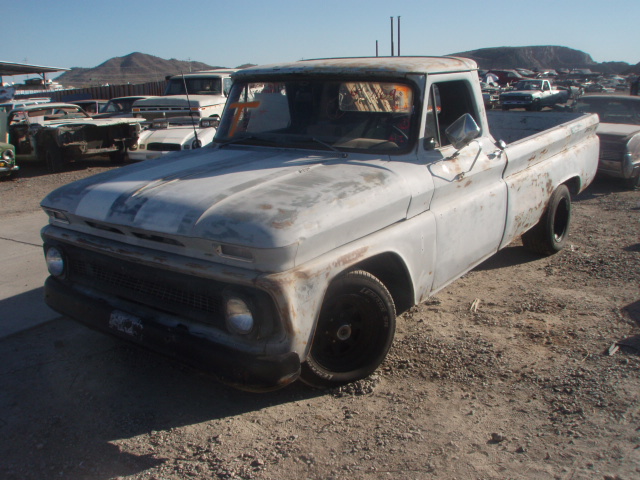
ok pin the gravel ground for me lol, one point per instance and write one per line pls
(525, 368)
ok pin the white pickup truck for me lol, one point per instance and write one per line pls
(337, 194)
(200, 94)
(533, 94)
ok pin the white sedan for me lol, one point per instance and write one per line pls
(166, 135)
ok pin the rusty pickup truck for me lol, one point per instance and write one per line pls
(337, 194)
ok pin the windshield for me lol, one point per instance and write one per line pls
(611, 110)
(529, 85)
(195, 86)
(324, 114)
(122, 105)
(47, 113)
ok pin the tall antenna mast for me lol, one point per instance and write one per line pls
(398, 35)
(391, 36)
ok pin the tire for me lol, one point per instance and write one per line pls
(550, 234)
(632, 183)
(354, 332)
(53, 157)
(117, 158)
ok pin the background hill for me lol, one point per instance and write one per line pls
(141, 68)
(133, 68)
(541, 57)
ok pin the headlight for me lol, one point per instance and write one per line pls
(196, 143)
(627, 165)
(238, 316)
(8, 155)
(55, 262)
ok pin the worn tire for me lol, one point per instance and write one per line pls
(117, 158)
(550, 234)
(632, 183)
(354, 331)
(53, 158)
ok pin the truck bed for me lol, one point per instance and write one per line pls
(515, 126)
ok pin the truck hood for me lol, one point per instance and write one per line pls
(266, 198)
(181, 101)
(174, 134)
(517, 93)
(99, 122)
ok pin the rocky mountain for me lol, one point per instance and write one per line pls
(141, 68)
(540, 57)
(133, 68)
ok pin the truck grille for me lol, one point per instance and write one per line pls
(164, 147)
(184, 295)
(611, 148)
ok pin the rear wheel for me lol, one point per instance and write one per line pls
(117, 158)
(354, 331)
(550, 234)
(632, 183)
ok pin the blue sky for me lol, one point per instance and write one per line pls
(74, 33)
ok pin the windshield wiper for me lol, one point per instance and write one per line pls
(324, 144)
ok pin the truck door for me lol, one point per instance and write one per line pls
(470, 196)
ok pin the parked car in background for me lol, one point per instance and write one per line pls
(92, 107)
(619, 133)
(200, 94)
(10, 105)
(166, 135)
(533, 94)
(60, 132)
(8, 165)
(506, 77)
(119, 107)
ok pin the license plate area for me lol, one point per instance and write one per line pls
(126, 323)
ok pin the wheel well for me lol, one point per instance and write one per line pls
(573, 184)
(392, 272)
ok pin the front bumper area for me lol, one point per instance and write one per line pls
(238, 369)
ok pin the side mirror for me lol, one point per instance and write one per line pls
(461, 132)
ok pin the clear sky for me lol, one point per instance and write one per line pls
(75, 33)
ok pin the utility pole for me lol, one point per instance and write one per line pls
(391, 36)
(398, 35)
(376, 48)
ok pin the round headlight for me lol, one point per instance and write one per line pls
(55, 261)
(7, 155)
(238, 316)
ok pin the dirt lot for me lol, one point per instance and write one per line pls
(506, 374)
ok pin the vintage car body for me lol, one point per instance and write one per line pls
(60, 132)
(119, 107)
(619, 133)
(8, 165)
(173, 135)
(201, 94)
(336, 194)
(13, 104)
(533, 95)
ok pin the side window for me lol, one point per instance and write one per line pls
(448, 101)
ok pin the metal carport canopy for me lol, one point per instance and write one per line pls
(8, 69)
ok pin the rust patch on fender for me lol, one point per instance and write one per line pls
(265, 206)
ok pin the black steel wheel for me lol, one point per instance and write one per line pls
(550, 234)
(354, 331)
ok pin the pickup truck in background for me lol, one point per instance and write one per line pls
(533, 94)
(201, 94)
(337, 194)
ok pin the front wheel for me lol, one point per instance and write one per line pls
(53, 157)
(550, 234)
(117, 157)
(354, 331)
